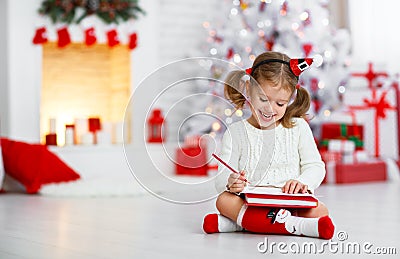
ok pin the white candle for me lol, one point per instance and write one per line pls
(81, 127)
(103, 138)
(69, 136)
(52, 125)
(87, 138)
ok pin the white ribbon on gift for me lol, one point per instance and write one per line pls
(356, 157)
(330, 172)
(341, 145)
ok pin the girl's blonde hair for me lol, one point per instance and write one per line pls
(275, 73)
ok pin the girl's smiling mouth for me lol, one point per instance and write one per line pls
(266, 117)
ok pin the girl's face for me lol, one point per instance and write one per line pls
(268, 104)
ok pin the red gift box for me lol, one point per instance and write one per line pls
(341, 131)
(191, 161)
(356, 172)
(330, 131)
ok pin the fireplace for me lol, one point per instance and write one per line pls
(81, 82)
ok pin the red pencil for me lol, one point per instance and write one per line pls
(225, 164)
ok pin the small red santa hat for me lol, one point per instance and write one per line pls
(298, 65)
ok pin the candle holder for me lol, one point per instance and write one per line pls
(155, 124)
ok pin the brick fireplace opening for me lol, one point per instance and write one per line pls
(79, 82)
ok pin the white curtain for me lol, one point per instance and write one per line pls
(375, 32)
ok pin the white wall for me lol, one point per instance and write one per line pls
(4, 122)
(24, 71)
(374, 30)
(21, 82)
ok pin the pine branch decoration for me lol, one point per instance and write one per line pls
(109, 11)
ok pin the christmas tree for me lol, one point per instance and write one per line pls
(243, 29)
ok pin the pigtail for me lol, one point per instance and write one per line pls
(234, 88)
(298, 108)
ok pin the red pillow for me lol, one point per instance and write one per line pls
(1, 170)
(34, 165)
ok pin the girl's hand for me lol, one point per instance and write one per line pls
(294, 186)
(236, 182)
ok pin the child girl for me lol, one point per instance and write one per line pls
(275, 146)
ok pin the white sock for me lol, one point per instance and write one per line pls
(298, 225)
(216, 223)
(302, 226)
(227, 225)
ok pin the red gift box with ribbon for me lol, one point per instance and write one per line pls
(340, 173)
(342, 131)
(379, 109)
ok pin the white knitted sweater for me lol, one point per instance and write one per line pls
(271, 157)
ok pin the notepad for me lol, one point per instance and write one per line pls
(274, 197)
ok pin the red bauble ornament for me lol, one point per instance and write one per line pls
(314, 85)
(317, 105)
(63, 37)
(307, 48)
(40, 36)
(218, 39)
(230, 53)
(262, 6)
(269, 44)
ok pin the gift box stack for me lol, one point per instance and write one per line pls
(346, 160)
(356, 140)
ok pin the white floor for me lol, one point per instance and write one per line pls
(147, 227)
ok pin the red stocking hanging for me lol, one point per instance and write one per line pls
(63, 36)
(89, 30)
(132, 41)
(112, 37)
(90, 36)
(40, 36)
